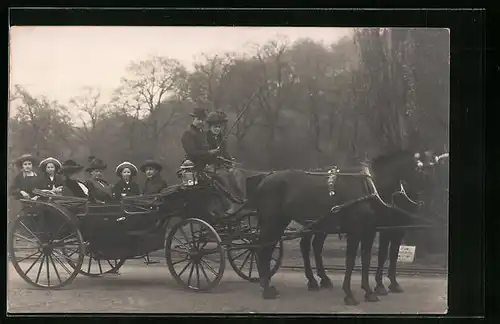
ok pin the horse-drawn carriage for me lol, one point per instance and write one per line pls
(55, 238)
(197, 241)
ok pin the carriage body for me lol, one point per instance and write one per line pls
(75, 230)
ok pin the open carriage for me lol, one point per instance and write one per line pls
(55, 238)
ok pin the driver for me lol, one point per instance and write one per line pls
(225, 173)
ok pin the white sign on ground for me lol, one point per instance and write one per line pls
(406, 254)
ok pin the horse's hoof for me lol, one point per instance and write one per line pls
(395, 289)
(380, 290)
(312, 285)
(371, 297)
(350, 301)
(326, 284)
(270, 293)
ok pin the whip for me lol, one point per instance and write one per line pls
(237, 119)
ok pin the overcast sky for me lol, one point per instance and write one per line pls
(58, 61)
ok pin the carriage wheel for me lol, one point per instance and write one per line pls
(36, 248)
(96, 267)
(195, 255)
(244, 260)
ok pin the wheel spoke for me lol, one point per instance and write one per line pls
(209, 267)
(90, 263)
(62, 264)
(48, 270)
(184, 269)
(26, 228)
(181, 243)
(245, 260)
(99, 263)
(251, 265)
(55, 268)
(204, 273)
(197, 276)
(25, 238)
(191, 273)
(183, 234)
(236, 257)
(179, 261)
(29, 256)
(33, 264)
(40, 269)
(60, 229)
(65, 257)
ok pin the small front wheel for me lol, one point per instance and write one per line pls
(195, 255)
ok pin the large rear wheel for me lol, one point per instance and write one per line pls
(195, 255)
(37, 246)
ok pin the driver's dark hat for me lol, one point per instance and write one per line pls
(200, 113)
(70, 167)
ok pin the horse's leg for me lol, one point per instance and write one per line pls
(384, 237)
(396, 240)
(270, 234)
(305, 248)
(366, 256)
(317, 244)
(351, 251)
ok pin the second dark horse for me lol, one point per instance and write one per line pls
(308, 198)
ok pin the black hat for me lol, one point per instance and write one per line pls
(95, 164)
(200, 113)
(151, 163)
(25, 157)
(215, 118)
(70, 167)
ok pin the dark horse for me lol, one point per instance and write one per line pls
(308, 199)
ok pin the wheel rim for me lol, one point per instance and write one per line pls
(244, 261)
(96, 267)
(194, 254)
(37, 245)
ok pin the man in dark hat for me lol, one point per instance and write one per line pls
(224, 173)
(71, 188)
(154, 182)
(99, 189)
(194, 141)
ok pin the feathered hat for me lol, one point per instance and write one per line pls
(95, 164)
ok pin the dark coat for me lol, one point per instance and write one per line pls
(213, 142)
(71, 188)
(23, 183)
(123, 189)
(48, 184)
(194, 142)
(154, 185)
(99, 190)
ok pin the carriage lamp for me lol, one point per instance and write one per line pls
(187, 174)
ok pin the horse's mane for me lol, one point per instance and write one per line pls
(389, 157)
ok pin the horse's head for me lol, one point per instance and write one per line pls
(406, 172)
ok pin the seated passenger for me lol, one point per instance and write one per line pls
(71, 188)
(26, 180)
(50, 180)
(99, 189)
(154, 183)
(126, 171)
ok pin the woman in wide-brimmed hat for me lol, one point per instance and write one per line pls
(68, 170)
(26, 180)
(154, 182)
(99, 189)
(126, 186)
(50, 180)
